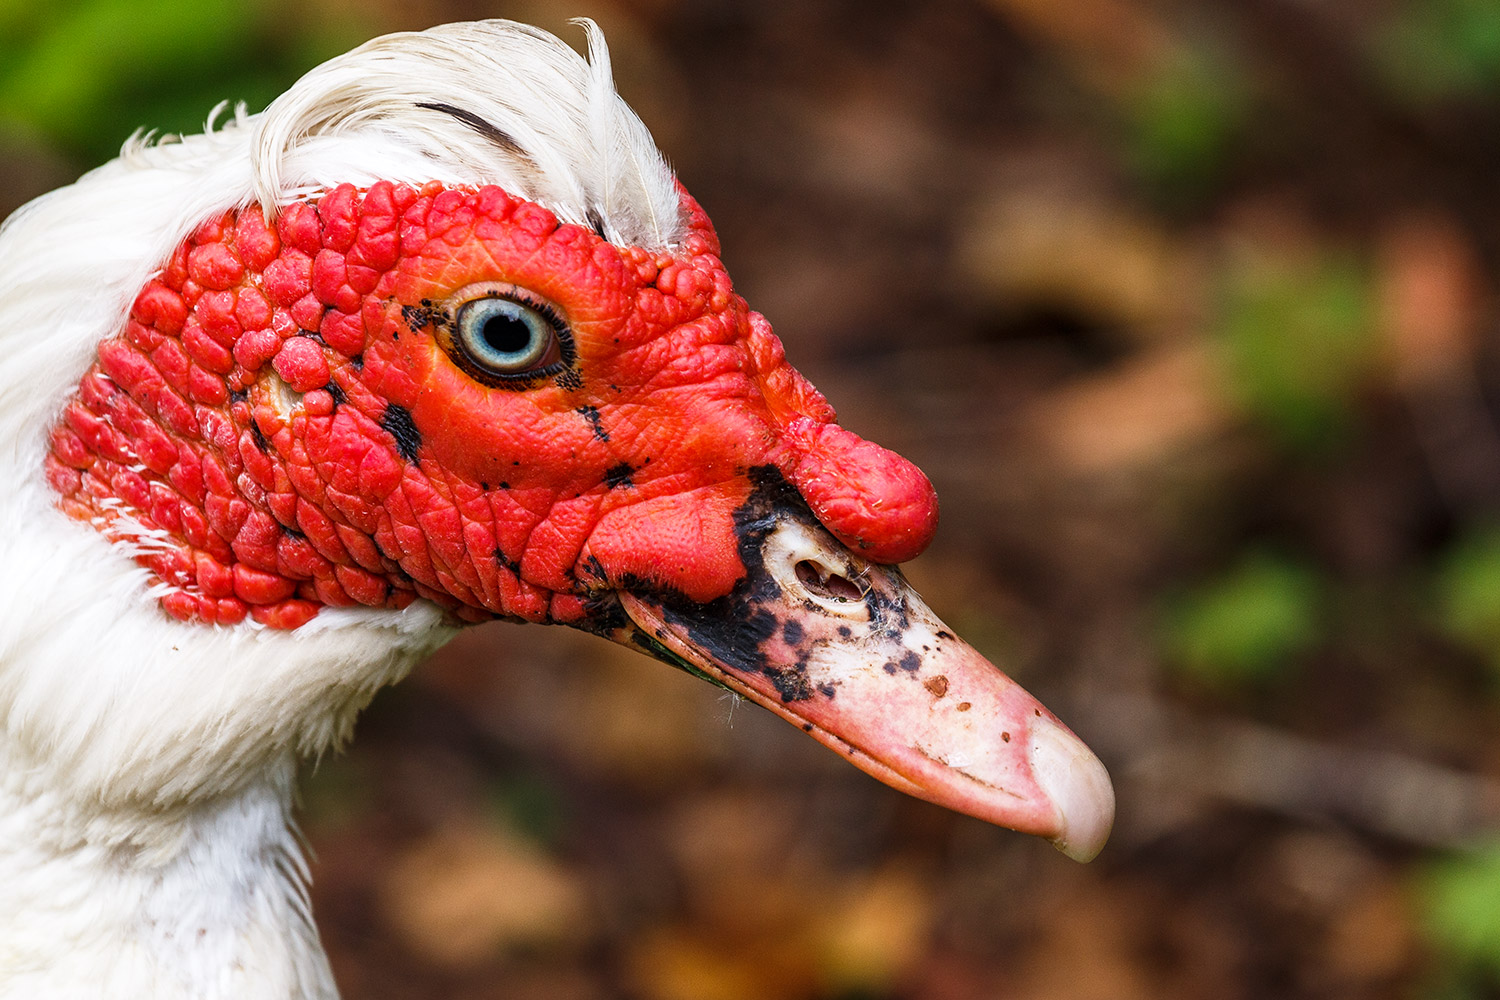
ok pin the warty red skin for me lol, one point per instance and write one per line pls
(396, 474)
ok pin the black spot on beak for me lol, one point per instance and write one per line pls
(910, 662)
(734, 629)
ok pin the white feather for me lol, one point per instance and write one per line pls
(146, 765)
(586, 151)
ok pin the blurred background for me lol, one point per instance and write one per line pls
(1189, 310)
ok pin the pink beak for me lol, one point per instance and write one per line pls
(848, 652)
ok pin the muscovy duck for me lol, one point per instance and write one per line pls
(437, 338)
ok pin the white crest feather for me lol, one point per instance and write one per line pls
(576, 147)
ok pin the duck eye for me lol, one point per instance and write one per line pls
(506, 337)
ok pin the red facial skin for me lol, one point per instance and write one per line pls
(396, 474)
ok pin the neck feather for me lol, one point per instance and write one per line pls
(146, 778)
(204, 901)
(146, 769)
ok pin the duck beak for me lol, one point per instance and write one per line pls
(847, 651)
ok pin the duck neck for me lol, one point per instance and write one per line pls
(203, 901)
(147, 769)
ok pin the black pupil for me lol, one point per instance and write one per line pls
(506, 334)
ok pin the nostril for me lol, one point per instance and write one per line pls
(806, 563)
(826, 583)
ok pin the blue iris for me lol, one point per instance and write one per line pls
(504, 336)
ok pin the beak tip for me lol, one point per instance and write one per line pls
(1078, 786)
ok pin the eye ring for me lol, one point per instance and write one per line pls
(504, 336)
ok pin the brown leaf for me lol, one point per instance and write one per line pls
(1373, 938)
(877, 932)
(1141, 412)
(1430, 290)
(1047, 243)
(679, 963)
(466, 895)
(1107, 42)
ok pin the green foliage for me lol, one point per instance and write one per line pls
(1183, 120)
(1434, 50)
(86, 74)
(1299, 337)
(1468, 592)
(1459, 899)
(1246, 626)
(527, 804)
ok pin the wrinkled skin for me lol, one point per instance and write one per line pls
(288, 404)
(517, 501)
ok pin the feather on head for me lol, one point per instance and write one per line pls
(523, 111)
